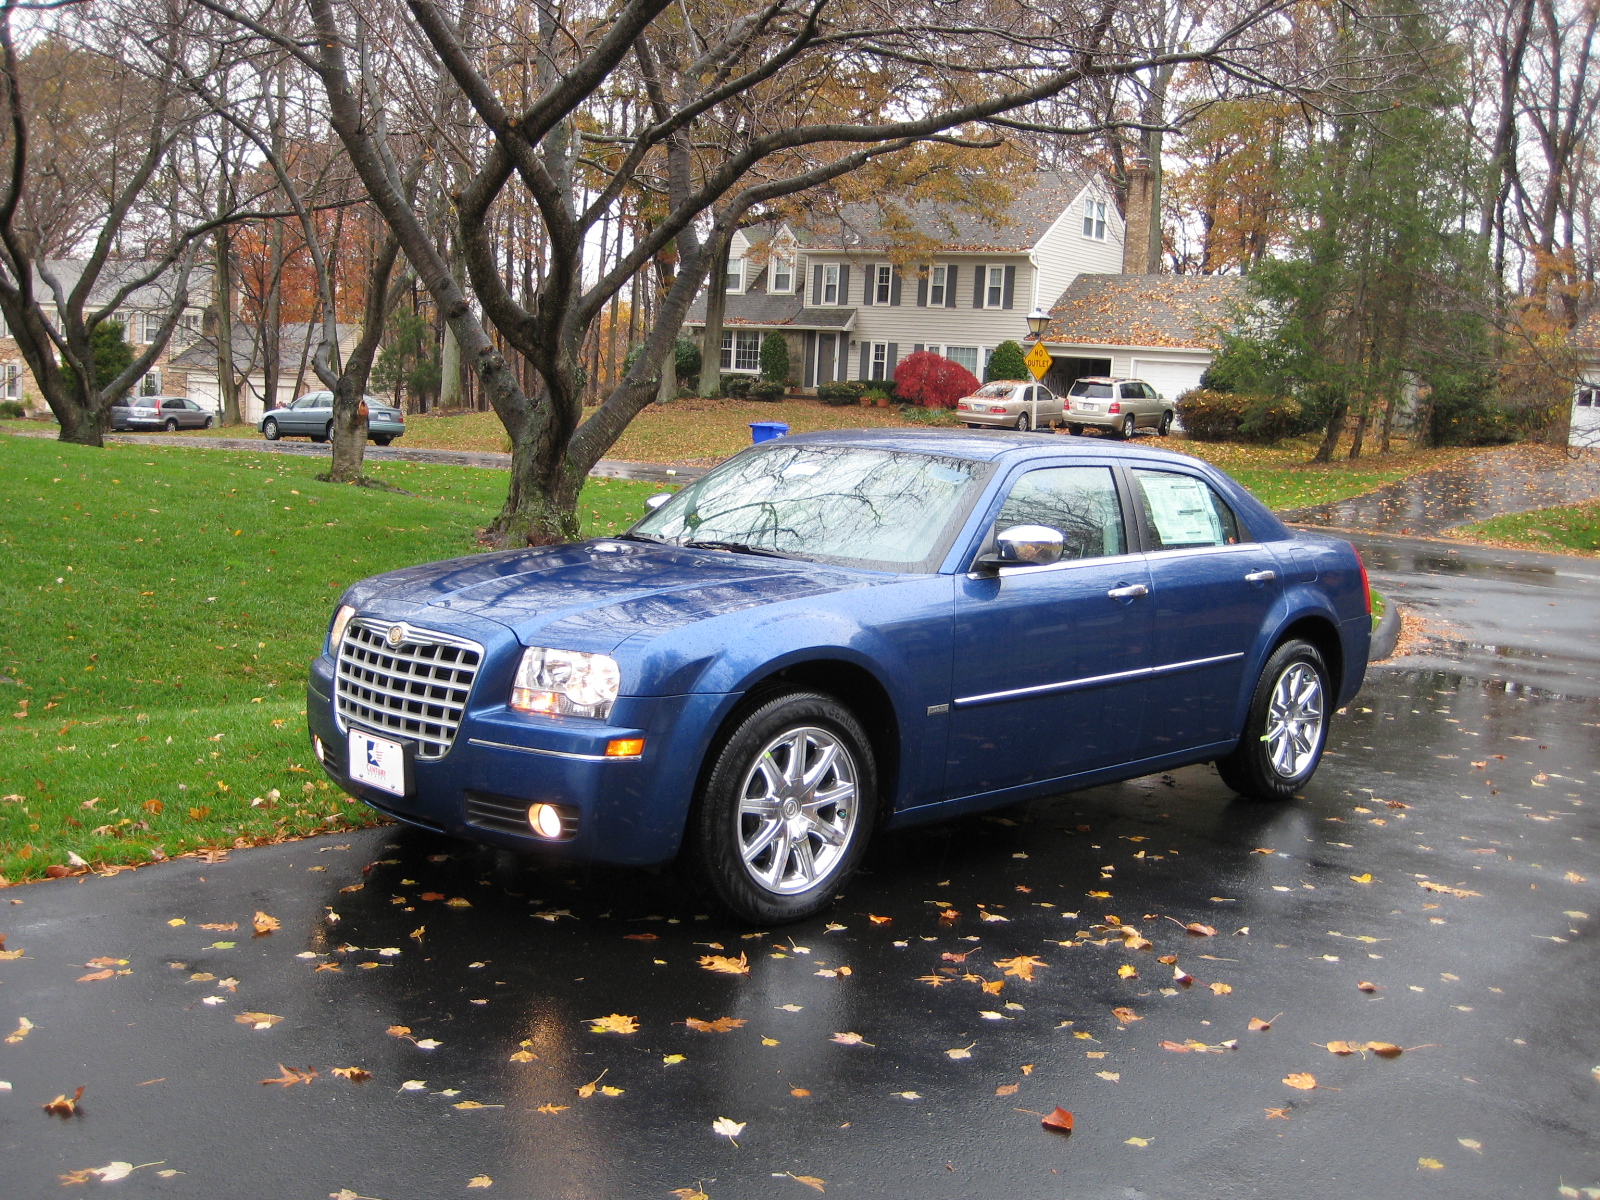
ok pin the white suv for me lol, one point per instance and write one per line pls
(1116, 405)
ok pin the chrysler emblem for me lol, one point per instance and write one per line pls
(397, 634)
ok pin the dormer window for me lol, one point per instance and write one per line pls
(783, 264)
(734, 281)
(1094, 219)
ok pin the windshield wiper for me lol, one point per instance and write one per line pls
(741, 547)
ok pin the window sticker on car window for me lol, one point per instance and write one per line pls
(1180, 509)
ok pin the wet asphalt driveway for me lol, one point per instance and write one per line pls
(1430, 892)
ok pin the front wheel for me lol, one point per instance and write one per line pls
(1023, 424)
(170, 425)
(1286, 728)
(786, 810)
(1166, 424)
(269, 430)
(208, 423)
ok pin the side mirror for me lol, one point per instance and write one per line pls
(1025, 546)
(656, 501)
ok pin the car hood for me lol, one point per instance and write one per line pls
(595, 595)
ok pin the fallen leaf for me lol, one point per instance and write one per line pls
(671, 1059)
(353, 1074)
(1343, 1047)
(615, 1023)
(1196, 929)
(907, 1095)
(641, 937)
(725, 965)
(849, 1039)
(1137, 1141)
(1385, 1049)
(1301, 1080)
(1007, 1089)
(1099, 895)
(398, 1030)
(811, 1181)
(933, 980)
(94, 976)
(879, 920)
(1127, 971)
(829, 972)
(1220, 989)
(1023, 966)
(453, 902)
(1110, 1076)
(63, 1105)
(523, 1056)
(1059, 1120)
(801, 1092)
(220, 927)
(989, 916)
(480, 1181)
(265, 924)
(720, 1025)
(289, 1076)
(1470, 1144)
(470, 1105)
(693, 1193)
(1431, 1164)
(1429, 885)
(961, 1052)
(1257, 1025)
(728, 1129)
(257, 1020)
(552, 1109)
(414, 1085)
(20, 1032)
(1366, 986)
(587, 1089)
(1126, 1015)
(1364, 877)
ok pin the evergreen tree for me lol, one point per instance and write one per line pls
(1007, 362)
(112, 354)
(775, 358)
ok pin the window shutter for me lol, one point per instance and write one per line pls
(951, 275)
(922, 292)
(816, 286)
(871, 284)
(982, 273)
(1011, 286)
(866, 360)
(894, 288)
(844, 287)
(890, 360)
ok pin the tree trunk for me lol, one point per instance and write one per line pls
(271, 320)
(227, 380)
(716, 305)
(450, 350)
(1331, 435)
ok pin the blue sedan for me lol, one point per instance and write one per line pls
(837, 632)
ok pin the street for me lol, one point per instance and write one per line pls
(1433, 893)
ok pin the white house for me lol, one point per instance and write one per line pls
(295, 374)
(1584, 431)
(853, 299)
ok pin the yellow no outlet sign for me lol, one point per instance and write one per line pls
(1038, 360)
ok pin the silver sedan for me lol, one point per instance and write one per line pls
(1010, 404)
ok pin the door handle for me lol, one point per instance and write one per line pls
(1128, 592)
(1261, 577)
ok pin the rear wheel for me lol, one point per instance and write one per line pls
(1286, 728)
(1023, 425)
(382, 439)
(1166, 424)
(170, 425)
(786, 810)
(269, 430)
(1075, 430)
(208, 423)
(1128, 426)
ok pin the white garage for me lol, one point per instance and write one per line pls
(1170, 376)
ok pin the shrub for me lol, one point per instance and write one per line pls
(932, 380)
(874, 395)
(1212, 416)
(768, 389)
(927, 416)
(1269, 419)
(686, 358)
(1007, 362)
(737, 386)
(775, 358)
(12, 408)
(842, 393)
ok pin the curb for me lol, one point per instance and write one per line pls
(1387, 635)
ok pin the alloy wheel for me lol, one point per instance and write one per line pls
(1294, 720)
(797, 809)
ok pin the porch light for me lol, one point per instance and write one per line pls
(1037, 320)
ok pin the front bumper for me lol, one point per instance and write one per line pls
(628, 811)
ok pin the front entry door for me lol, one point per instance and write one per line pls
(1212, 593)
(1050, 660)
(827, 358)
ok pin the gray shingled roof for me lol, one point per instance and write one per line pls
(766, 311)
(1145, 310)
(154, 295)
(1036, 206)
(202, 355)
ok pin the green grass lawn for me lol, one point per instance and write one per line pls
(157, 612)
(1566, 529)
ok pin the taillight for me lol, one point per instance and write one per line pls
(1366, 584)
(1115, 407)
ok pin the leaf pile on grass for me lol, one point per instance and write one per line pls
(157, 615)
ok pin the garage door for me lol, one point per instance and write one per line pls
(1170, 376)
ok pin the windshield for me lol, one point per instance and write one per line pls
(1095, 391)
(884, 509)
(995, 390)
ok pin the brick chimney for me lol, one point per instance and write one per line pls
(1136, 219)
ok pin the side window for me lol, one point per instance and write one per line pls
(172, 404)
(1133, 391)
(1183, 512)
(1079, 501)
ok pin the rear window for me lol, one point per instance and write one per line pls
(994, 391)
(1092, 391)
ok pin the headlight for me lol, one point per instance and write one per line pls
(565, 683)
(341, 619)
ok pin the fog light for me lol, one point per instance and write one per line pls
(316, 744)
(545, 820)
(624, 747)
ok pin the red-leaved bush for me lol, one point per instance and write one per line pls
(932, 380)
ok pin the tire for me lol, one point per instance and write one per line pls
(269, 430)
(1023, 424)
(208, 424)
(1129, 424)
(382, 439)
(1075, 430)
(1275, 757)
(1166, 424)
(753, 865)
(170, 425)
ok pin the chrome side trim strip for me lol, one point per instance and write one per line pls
(1094, 681)
(603, 758)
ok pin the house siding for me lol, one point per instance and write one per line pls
(1063, 253)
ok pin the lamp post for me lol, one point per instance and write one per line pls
(1037, 320)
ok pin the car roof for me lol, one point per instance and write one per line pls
(1106, 379)
(987, 446)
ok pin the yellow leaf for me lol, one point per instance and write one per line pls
(257, 1020)
(1110, 1076)
(1126, 1015)
(726, 965)
(265, 924)
(1137, 1141)
(1023, 966)
(353, 1074)
(1431, 1164)
(524, 1056)
(1364, 877)
(615, 1023)
(608, 1090)
(1220, 989)
(1127, 971)
(671, 1059)
(1100, 895)
(811, 1181)
(552, 1109)
(1301, 1080)
(480, 1181)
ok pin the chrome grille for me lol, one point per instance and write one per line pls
(415, 687)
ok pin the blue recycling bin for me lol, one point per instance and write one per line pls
(765, 431)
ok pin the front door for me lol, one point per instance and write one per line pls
(827, 358)
(1212, 593)
(1050, 660)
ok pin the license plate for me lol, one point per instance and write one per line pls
(378, 762)
(1090, 407)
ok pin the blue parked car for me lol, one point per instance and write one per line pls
(837, 632)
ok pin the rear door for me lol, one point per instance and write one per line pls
(1049, 660)
(1212, 590)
